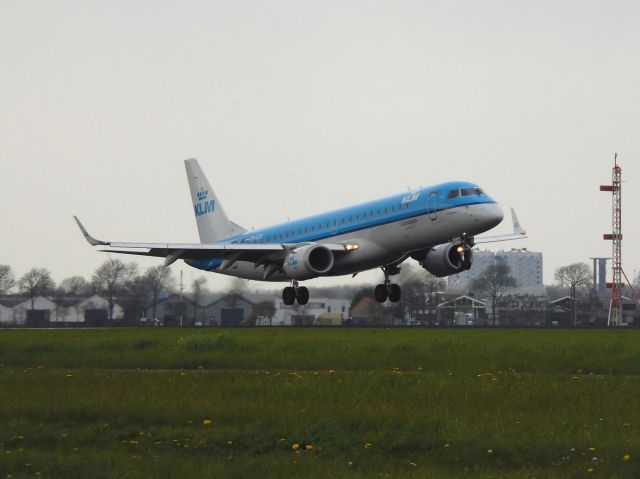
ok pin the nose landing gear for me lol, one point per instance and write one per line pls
(294, 293)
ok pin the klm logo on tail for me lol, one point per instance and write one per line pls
(204, 206)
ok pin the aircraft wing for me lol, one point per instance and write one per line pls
(518, 233)
(269, 252)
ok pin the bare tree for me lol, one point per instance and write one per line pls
(265, 309)
(237, 289)
(418, 289)
(7, 279)
(74, 285)
(494, 282)
(36, 282)
(197, 287)
(158, 279)
(574, 276)
(110, 278)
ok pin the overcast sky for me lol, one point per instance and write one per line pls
(297, 107)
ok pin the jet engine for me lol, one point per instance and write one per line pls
(447, 259)
(308, 262)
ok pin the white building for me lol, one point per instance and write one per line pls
(94, 310)
(286, 315)
(526, 268)
(91, 309)
(42, 311)
(6, 314)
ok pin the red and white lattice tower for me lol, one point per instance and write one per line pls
(615, 308)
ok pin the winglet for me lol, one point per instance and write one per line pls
(517, 229)
(92, 241)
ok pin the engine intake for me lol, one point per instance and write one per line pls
(447, 259)
(308, 262)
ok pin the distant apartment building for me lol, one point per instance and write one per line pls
(526, 268)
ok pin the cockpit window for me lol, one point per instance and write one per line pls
(468, 192)
(480, 192)
(453, 194)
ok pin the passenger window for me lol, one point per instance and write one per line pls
(453, 194)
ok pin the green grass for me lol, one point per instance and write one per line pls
(370, 403)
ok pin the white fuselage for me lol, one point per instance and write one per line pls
(392, 242)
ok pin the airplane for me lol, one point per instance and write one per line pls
(436, 226)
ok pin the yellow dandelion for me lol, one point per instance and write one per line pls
(331, 371)
(229, 442)
(626, 424)
(308, 447)
(413, 464)
(626, 457)
(367, 445)
(295, 446)
(445, 445)
(592, 449)
(133, 442)
(590, 469)
(206, 422)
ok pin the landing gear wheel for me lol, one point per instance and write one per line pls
(302, 295)
(395, 293)
(380, 293)
(288, 295)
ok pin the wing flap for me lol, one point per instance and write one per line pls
(196, 251)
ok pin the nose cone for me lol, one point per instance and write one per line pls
(494, 215)
(486, 216)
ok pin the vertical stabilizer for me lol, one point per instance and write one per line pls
(213, 224)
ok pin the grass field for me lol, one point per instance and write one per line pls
(278, 403)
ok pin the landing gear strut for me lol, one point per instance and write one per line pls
(294, 293)
(388, 290)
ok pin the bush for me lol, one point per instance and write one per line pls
(142, 344)
(202, 342)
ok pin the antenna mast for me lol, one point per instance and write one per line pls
(615, 305)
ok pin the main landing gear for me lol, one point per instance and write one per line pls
(294, 293)
(388, 290)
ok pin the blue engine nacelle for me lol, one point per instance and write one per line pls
(308, 262)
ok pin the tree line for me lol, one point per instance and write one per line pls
(135, 290)
(114, 280)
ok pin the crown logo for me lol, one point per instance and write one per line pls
(202, 194)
